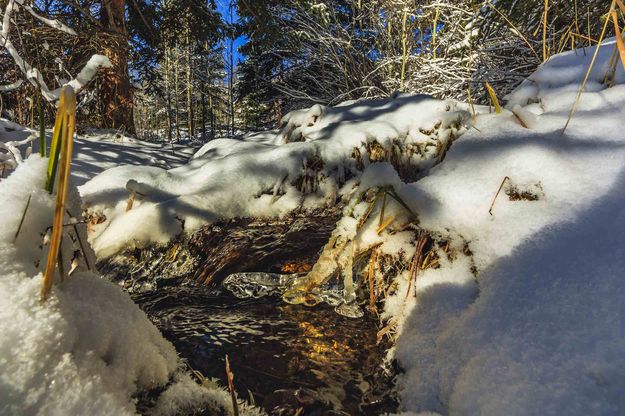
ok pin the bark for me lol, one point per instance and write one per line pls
(190, 114)
(116, 92)
(168, 93)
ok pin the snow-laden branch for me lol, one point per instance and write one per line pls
(33, 75)
(11, 87)
(10, 154)
(50, 22)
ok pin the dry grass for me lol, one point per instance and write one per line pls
(19, 227)
(619, 37)
(230, 376)
(545, 46)
(61, 146)
(592, 64)
(492, 205)
(493, 98)
(515, 29)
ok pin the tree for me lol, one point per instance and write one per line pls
(115, 91)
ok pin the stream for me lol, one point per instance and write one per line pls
(285, 358)
(219, 292)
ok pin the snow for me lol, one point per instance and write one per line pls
(96, 150)
(541, 329)
(259, 176)
(89, 349)
(523, 315)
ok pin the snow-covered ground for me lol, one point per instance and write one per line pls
(541, 330)
(98, 151)
(514, 310)
(307, 163)
(522, 313)
(89, 349)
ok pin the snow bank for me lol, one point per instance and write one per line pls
(89, 349)
(304, 164)
(94, 151)
(541, 329)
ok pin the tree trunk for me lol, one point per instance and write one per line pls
(168, 94)
(190, 115)
(212, 114)
(116, 93)
(177, 92)
(203, 115)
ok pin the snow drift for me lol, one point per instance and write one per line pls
(306, 163)
(89, 349)
(541, 330)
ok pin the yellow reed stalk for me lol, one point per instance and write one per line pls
(592, 64)
(434, 27)
(576, 17)
(584, 37)
(404, 42)
(564, 40)
(230, 377)
(371, 275)
(493, 98)
(545, 50)
(67, 114)
(588, 30)
(382, 211)
(386, 224)
(619, 38)
(470, 99)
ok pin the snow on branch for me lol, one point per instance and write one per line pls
(33, 75)
(11, 87)
(50, 22)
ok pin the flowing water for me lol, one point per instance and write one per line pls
(284, 357)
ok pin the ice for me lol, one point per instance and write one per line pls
(256, 284)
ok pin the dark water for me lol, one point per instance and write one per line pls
(283, 357)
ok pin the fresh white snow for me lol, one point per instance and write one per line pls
(89, 349)
(259, 176)
(523, 316)
(542, 328)
(95, 151)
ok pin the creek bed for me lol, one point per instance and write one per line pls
(283, 357)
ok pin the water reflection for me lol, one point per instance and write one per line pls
(284, 357)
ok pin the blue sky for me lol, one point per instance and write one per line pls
(223, 8)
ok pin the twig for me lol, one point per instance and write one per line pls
(371, 274)
(416, 263)
(82, 247)
(19, 228)
(490, 211)
(592, 63)
(230, 376)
